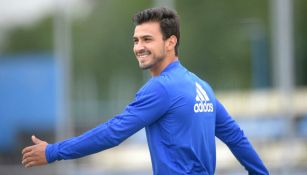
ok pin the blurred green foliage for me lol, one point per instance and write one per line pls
(300, 44)
(36, 38)
(216, 42)
(103, 42)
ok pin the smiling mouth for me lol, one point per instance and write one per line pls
(143, 54)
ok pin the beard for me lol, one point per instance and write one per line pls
(154, 60)
(151, 64)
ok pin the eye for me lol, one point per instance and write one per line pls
(135, 41)
(147, 39)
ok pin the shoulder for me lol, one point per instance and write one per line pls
(154, 86)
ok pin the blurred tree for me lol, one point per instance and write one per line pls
(105, 67)
(103, 42)
(300, 44)
(36, 38)
(216, 42)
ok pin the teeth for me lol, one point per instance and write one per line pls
(143, 55)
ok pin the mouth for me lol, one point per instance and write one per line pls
(143, 54)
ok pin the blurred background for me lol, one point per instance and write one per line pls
(67, 66)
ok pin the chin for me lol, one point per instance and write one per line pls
(144, 66)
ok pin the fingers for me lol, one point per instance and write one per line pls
(27, 155)
(27, 149)
(32, 158)
(36, 140)
(31, 161)
(28, 160)
(30, 164)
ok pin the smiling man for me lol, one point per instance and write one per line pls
(179, 111)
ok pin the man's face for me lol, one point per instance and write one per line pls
(149, 46)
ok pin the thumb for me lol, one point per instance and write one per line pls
(36, 140)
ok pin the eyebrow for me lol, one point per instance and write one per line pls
(144, 36)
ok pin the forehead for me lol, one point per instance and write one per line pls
(147, 28)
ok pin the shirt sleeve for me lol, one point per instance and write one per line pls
(148, 106)
(231, 134)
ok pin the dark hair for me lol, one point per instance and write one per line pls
(168, 19)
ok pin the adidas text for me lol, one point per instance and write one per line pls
(203, 107)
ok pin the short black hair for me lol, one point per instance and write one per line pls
(168, 19)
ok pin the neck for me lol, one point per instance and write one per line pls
(163, 64)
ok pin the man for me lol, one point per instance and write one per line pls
(179, 111)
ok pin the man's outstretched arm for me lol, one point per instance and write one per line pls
(102, 137)
(231, 134)
(149, 105)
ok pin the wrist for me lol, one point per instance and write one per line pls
(52, 153)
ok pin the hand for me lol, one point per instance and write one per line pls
(35, 155)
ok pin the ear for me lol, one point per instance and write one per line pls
(171, 43)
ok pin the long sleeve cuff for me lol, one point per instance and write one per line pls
(52, 153)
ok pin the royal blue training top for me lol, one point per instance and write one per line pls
(181, 116)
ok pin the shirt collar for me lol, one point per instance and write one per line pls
(172, 65)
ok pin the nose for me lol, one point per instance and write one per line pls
(138, 47)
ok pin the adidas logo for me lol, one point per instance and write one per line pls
(202, 100)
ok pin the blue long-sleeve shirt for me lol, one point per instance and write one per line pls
(181, 116)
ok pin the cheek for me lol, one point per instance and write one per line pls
(134, 49)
